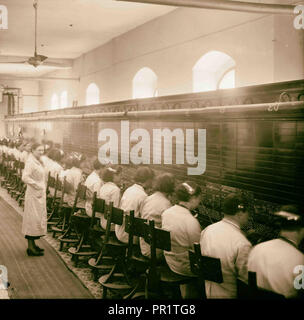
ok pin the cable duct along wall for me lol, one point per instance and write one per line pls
(241, 6)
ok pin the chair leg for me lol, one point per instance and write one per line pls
(95, 275)
(104, 292)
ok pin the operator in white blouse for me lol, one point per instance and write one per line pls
(276, 261)
(73, 177)
(184, 230)
(26, 151)
(133, 198)
(55, 167)
(226, 241)
(93, 184)
(154, 206)
(110, 191)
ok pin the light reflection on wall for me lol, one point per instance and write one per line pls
(145, 84)
(92, 94)
(214, 70)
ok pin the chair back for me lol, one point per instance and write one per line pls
(208, 268)
(135, 227)
(81, 192)
(112, 215)
(51, 182)
(98, 205)
(79, 196)
(205, 267)
(64, 187)
(158, 239)
(252, 291)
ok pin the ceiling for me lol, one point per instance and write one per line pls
(66, 29)
(69, 28)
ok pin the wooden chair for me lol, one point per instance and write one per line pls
(128, 271)
(64, 211)
(12, 186)
(10, 172)
(252, 291)
(16, 177)
(72, 234)
(111, 248)
(54, 205)
(6, 169)
(160, 277)
(206, 268)
(88, 228)
(50, 189)
(20, 184)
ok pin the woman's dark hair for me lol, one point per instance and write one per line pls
(109, 173)
(76, 162)
(78, 158)
(57, 145)
(68, 162)
(165, 183)
(97, 165)
(50, 143)
(11, 144)
(35, 146)
(143, 174)
(55, 154)
(233, 203)
(186, 190)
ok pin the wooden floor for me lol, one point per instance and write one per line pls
(44, 277)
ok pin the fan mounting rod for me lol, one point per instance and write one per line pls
(35, 5)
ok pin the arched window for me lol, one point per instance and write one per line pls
(92, 94)
(54, 101)
(145, 84)
(214, 70)
(64, 99)
(228, 80)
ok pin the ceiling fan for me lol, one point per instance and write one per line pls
(39, 59)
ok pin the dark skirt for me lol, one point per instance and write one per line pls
(33, 237)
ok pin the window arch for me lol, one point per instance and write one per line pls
(214, 70)
(54, 101)
(92, 94)
(228, 80)
(64, 99)
(145, 84)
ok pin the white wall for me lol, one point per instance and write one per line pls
(266, 48)
(29, 102)
(30, 93)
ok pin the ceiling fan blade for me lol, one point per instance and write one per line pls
(57, 65)
(37, 60)
(15, 62)
(40, 57)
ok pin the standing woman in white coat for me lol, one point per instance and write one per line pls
(34, 223)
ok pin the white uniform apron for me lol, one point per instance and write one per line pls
(35, 214)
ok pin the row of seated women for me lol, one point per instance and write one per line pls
(273, 261)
